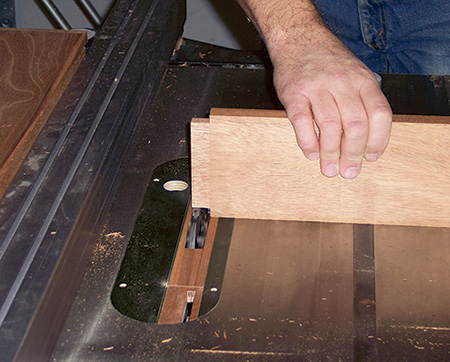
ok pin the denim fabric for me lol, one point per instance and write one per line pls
(397, 36)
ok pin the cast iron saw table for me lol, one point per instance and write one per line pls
(89, 233)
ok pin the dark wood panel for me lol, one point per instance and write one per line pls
(35, 68)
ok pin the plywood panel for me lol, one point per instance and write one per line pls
(36, 66)
(257, 171)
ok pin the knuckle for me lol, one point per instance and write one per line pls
(300, 118)
(306, 145)
(356, 129)
(376, 148)
(341, 80)
(306, 140)
(382, 111)
(330, 149)
(353, 158)
(329, 158)
(330, 126)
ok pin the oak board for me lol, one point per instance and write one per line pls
(257, 171)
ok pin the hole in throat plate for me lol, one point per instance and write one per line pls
(175, 185)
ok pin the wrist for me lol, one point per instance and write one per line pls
(285, 46)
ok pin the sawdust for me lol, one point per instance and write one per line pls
(115, 235)
(107, 246)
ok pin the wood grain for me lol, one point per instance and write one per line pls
(188, 273)
(175, 302)
(257, 171)
(191, 265)
(36, 66)
(200, 161)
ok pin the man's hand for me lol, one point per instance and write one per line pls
(331, 88)
(321, 83)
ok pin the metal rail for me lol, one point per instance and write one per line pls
(53, 13)
(8, 19)
(57, 17)
(92, 14)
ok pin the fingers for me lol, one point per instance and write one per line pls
(353, 124)
(300, 115)
(379, 115)
(366, 122)
(327, 117)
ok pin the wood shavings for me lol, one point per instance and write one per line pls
(115, 235)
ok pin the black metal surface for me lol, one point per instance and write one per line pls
(190, 91)
(193, 52)
(47, 224)
(217, 265)
(144, 274)
(7, 14)
(419, 94)
(80, 190)
(163, 137)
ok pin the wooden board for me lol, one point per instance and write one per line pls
(200, 163)
(36, 66)
(188, 275)
(175, 302)
(257, 171)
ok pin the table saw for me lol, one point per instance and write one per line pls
(104, 260)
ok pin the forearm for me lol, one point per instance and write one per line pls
(287, 25)
(320, 82)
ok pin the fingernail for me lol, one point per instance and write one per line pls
(351, 172)
(371, 157)
(330, 171)
(313, 156)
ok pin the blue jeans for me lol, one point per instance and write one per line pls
(393, 36)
